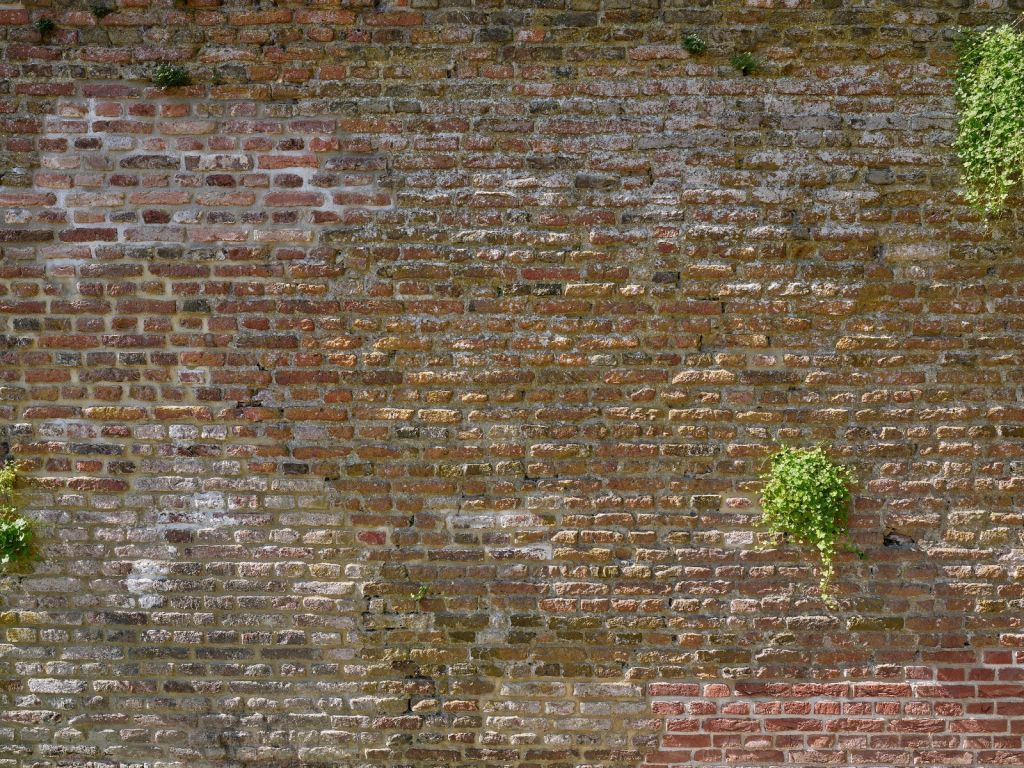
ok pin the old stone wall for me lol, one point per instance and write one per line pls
(395, 394)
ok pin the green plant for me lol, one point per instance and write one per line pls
(16, 532)
(170, 76)
(44, 25)
(745, 62)
(420, 593)
(695, 44)
(990, 99)
(99, 10)
(806, 497)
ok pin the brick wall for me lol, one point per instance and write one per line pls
(501, 304)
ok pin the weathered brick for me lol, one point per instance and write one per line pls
(397, 393)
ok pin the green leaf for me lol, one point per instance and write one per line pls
(17, 534)
(990, 132)
(806, 496)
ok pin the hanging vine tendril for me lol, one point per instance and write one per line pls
(990, 99)
(16, 532)
(806, 496)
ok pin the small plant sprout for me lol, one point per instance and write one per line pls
(806, 497)
(170, 76)
(44, 25)
(17, 535)
(419, 594)
(99, 10)
(695, 44)
(745, 63)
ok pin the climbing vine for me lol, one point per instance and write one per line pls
(990, 99)
(16, 532)
(170, 76)
(806, 497)
(745, 63)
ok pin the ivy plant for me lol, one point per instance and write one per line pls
(170, 76)
(990, 100)
(420, 593)
(694, 44)
(806, 497)
(17, 534)
(745, 63)
(44, 25)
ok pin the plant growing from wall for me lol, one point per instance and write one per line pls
(419, 594)
(170, 76)
(44, 25)
(17, 535)
(99, 10)
(745, 62)
(806, 497)
(694, 44)
(990, 99)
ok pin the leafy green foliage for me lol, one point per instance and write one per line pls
(171, 76)
(99, 10)
(806, 496)
(44, 25)
(420, 593)
(745, 62)
(990, 131)
(16, 533)
(695, 44)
